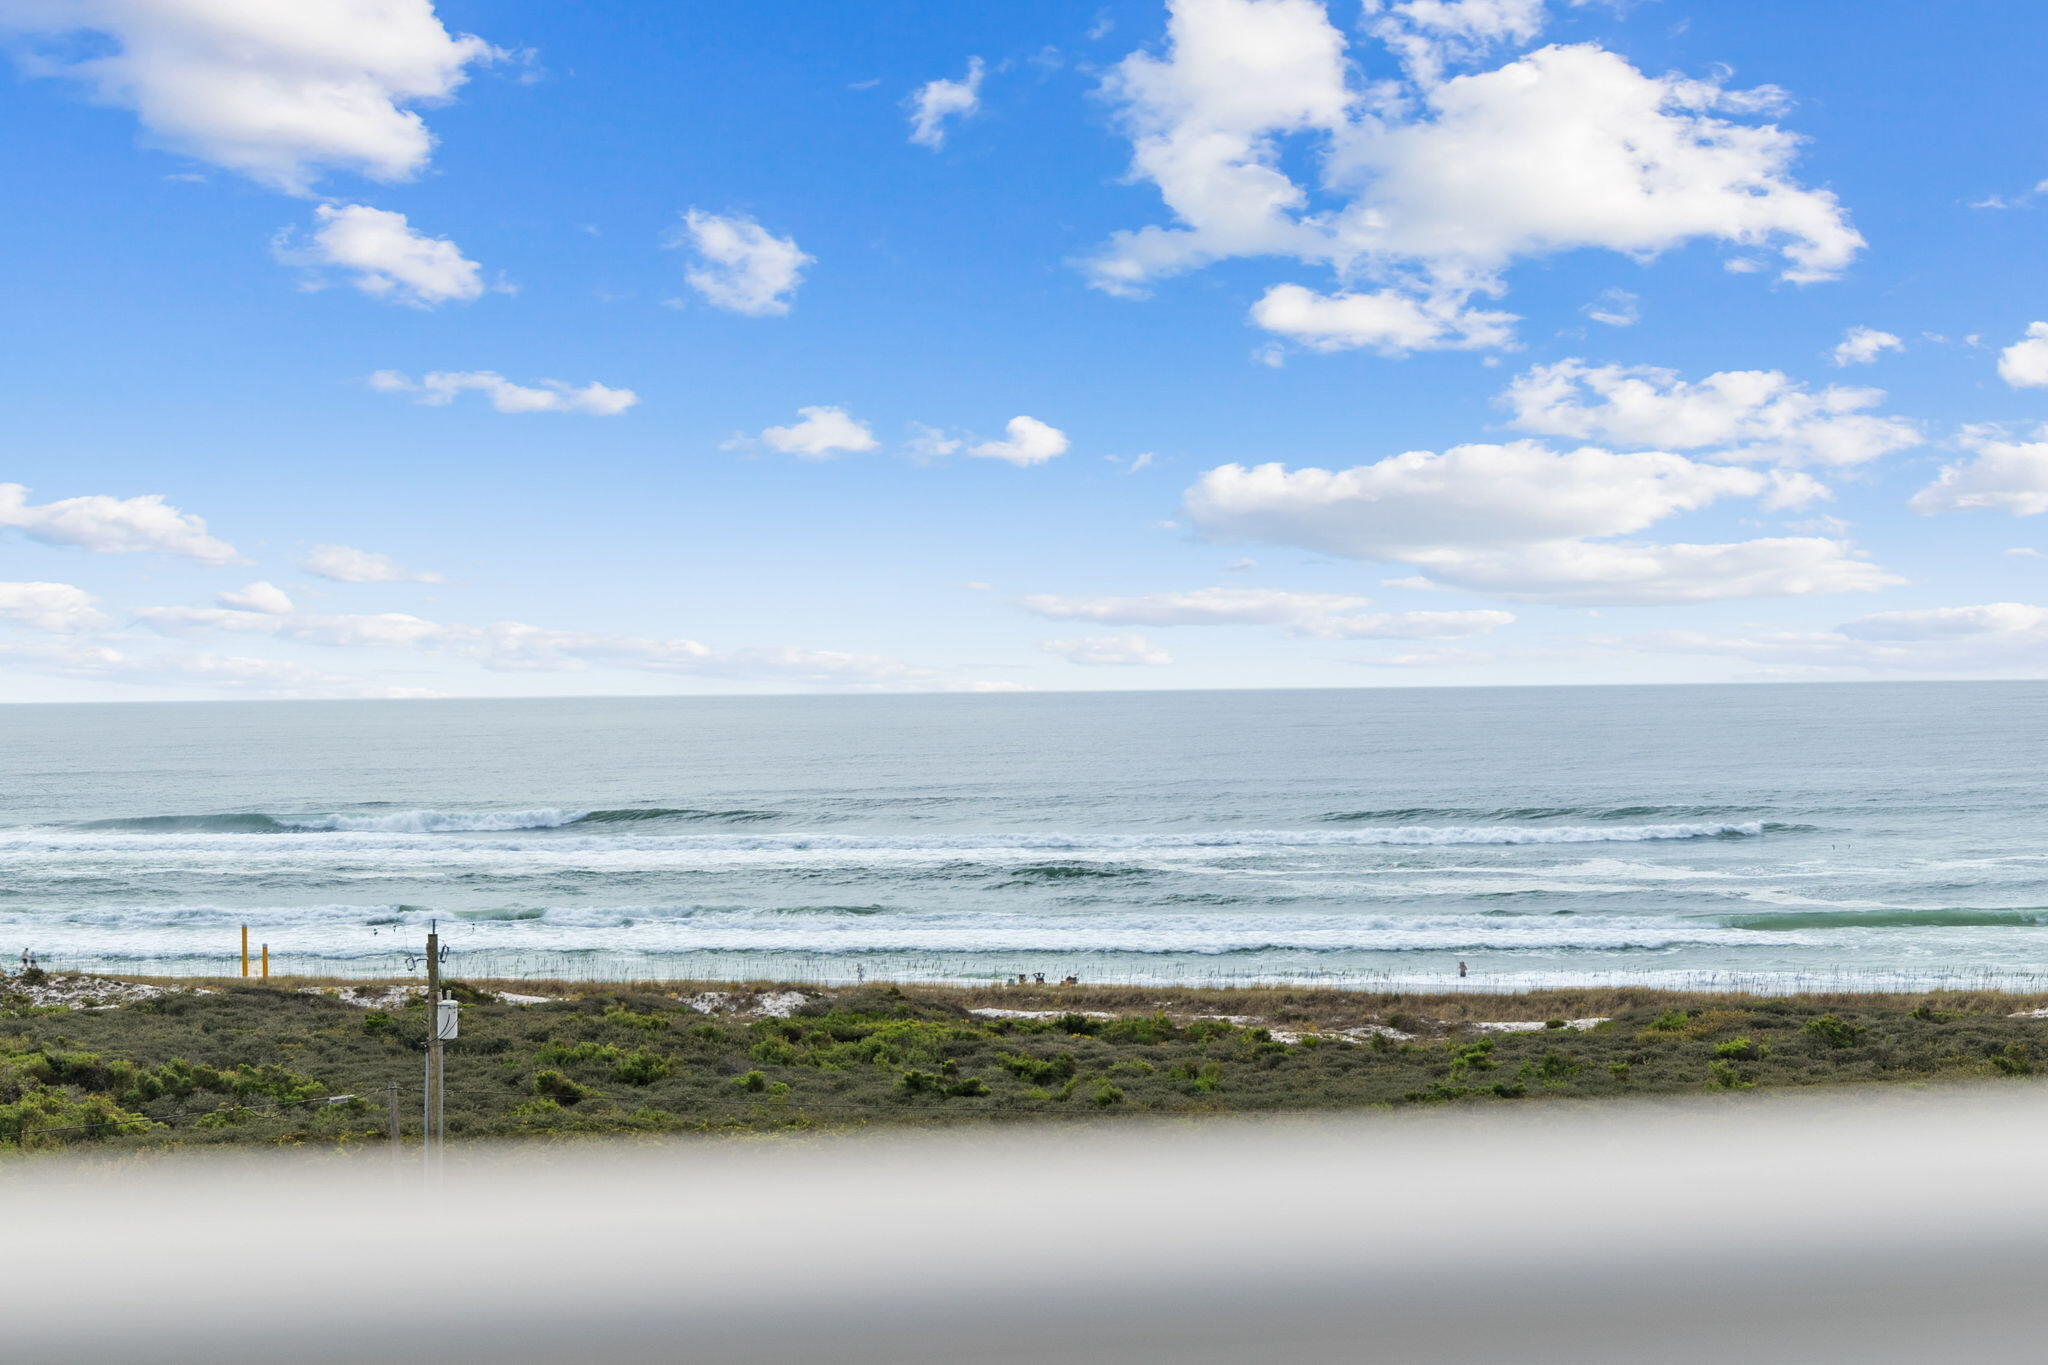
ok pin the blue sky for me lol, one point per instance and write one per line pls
(1220, 343)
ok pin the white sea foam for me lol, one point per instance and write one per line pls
(432, 821)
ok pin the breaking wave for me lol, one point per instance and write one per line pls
(408, 823)
(422, 821)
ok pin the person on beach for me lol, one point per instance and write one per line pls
(1461, 968)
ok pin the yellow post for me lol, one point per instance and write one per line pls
(266, 962)
(245, 950)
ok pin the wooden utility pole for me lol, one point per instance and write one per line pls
(433, 1037)
(245, 950)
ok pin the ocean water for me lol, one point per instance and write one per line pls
(1782, 834)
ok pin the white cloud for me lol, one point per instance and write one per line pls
(342, 564)
(275, 91)
(1029, 442)
(739, 265)
(1435, 187)
(1615, 308)
(258, 596)
(1201, 607)
(1997, 639)
(385, 258)
(1862, 345)
(1388, 321)
(2007, 474)
(1600, 573)
(1310, 614)
(235, 673)
(937, 101)
(1748, 415)
(49, 606)
(1108, 651)
(823, 433)
(1944, 623)
(515, 646)
(1470, 495)
(105, 525)
(440, 387)
(2024, 364)
(1522, 522)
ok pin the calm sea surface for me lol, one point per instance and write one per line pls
(1542, 835)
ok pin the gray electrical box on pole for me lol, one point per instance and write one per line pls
(445, 1020)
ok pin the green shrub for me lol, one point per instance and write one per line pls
(1038, 1070)
(1152, 1028)
(640, 1068)
(578, 1054)
(1471, 1056)
(2014, 1060)
(1832, 1031)
(1106, 1094)
(1723, 1075)
(625, 1018)
(555, 1086)
(1742, 1050)
(1079, 1024)
(1671, 1021)
(1555, 1023)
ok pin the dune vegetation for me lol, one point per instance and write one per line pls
(186, 1064)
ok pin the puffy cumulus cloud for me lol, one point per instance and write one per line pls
(384, 258)
(1523, 522)
(2024, 364)
(276, 92)
(258, 596)
(936, 102)
(1027, 441)
(822, 433)
(1747, 415)
(1312, 614)
(438, 388)
(1433, 187)
(108, 525)
(1109, 651)
(515, 646)
(740, 266)
(1428, 35)
(55, 607)
(1385, 320)
(1862, 345)
(343, 564)
(1470, 495)
(2006, 474)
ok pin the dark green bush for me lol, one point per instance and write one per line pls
(1832, 1031)
(555, 1086)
